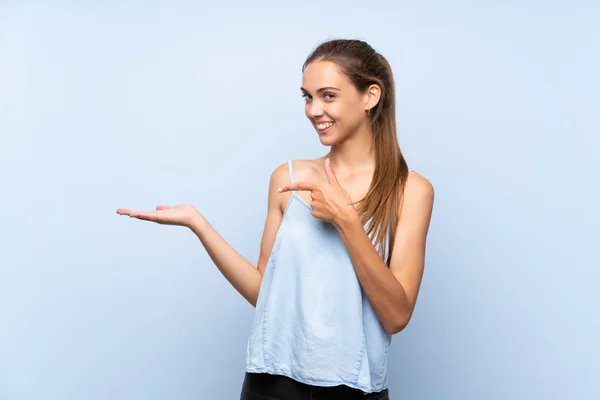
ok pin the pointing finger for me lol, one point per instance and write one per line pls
(298, 186)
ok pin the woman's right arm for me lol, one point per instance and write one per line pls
(242, 275)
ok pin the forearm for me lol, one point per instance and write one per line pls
(242, 275)
(385, 293)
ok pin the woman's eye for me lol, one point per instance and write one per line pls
(306, 97)
(329, 96)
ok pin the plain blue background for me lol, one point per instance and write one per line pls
(132, 104)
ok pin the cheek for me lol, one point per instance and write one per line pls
(336, 111)
(347, 116)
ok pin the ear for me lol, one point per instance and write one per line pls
(372, 96)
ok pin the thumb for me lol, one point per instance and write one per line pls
(329, 171)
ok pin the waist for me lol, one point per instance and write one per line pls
(281, 386)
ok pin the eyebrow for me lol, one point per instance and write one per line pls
(322, 89)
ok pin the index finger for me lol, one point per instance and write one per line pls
(298, 186)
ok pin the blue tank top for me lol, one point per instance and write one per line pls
(313, 322)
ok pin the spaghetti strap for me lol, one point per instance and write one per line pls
(291, 171)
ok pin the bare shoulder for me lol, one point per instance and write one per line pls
(301, 170)
(418, 191)
(280, 175)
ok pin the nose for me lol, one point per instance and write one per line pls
(314, 109)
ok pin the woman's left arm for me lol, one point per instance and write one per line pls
(392, 292)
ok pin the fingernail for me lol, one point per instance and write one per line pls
(280, 190)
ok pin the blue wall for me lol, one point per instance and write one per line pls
(131, 105)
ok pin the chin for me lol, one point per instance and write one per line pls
(327, 140)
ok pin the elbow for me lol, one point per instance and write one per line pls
(396, 328)
(398, 325)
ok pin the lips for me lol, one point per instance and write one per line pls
(323, 127)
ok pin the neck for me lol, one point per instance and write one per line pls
(355, 154)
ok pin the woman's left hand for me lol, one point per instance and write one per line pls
(328, 199)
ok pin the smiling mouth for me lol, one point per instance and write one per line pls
(324, 127)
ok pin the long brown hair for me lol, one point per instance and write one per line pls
(364, 66)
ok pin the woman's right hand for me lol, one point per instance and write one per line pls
(182, 215)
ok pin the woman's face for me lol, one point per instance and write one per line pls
(333, 105)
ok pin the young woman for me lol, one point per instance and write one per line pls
(343, 249)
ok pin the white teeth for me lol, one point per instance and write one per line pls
(324, 126)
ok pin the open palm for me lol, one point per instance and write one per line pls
(182, 215)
